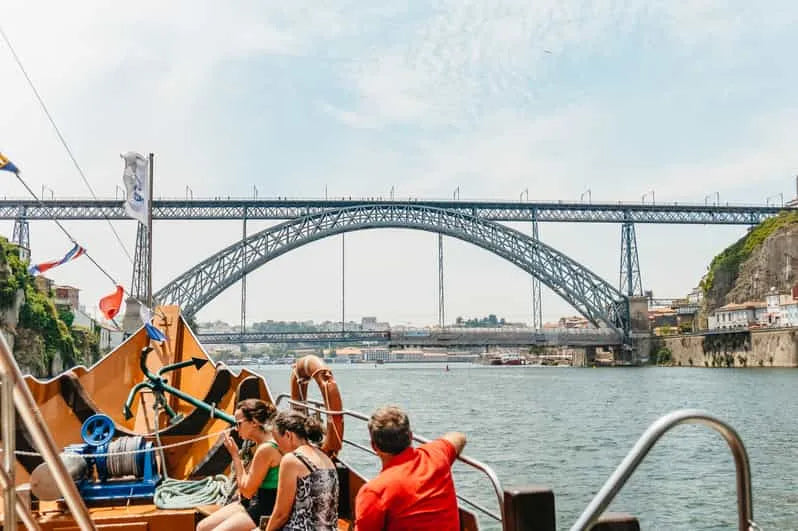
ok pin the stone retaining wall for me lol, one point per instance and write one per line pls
(762, 348)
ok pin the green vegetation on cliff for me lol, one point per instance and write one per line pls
(728, 262)
(41, 333)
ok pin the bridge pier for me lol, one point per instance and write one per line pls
(21, 235)
(140, 284)
(638, 346)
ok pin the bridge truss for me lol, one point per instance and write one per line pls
(238, 209)
(593, 297)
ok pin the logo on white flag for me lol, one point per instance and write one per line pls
(136, 184)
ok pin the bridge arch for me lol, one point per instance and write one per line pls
(589, 294)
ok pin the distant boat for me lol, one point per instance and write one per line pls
(511, 359)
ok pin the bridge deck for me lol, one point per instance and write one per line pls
(554, 211)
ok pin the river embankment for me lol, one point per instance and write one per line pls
(745, 348)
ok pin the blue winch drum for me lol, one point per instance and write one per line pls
(98, 430)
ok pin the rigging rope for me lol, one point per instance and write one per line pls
(133, 452)
(62, 139)
(41, 203)
(73, 240)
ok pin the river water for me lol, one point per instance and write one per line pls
(568, 429)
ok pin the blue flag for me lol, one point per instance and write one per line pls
(7, 165)
(154, 333)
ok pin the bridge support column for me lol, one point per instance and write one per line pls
(537, 303)
(21, 235)
(441, 300)
(590, 355)
(629, 282)
(243, 346)
(139, 285)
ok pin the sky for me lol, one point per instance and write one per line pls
(674, 101)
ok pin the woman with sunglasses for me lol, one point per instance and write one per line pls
(258, 483)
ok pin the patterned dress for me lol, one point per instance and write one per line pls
(316, 501)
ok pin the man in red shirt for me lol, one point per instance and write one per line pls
(415, 489)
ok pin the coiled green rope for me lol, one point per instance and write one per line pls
(182, 494)
(188, 494)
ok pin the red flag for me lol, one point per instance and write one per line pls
(110, 304)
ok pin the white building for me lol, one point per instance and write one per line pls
(733, 315)
(110, 337)
(375, 354)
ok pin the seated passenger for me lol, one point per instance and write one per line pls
(307, 492)
(258, 483)
(415, 489)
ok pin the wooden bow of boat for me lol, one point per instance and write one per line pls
(67, 400)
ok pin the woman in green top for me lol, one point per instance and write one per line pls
(259, 482)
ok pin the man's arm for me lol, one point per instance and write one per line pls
(457, 439)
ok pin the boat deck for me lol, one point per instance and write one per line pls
(54, 516)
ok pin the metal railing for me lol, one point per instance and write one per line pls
(15, 394)
(318, 407)
(649, 438)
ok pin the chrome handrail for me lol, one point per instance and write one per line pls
(32, 419)
(650, 437)
(22, 511)
(478, 465)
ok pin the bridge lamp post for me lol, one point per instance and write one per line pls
(189, 192)
(456, 193)
(525, 192)
(254, 192)
(117, 190)
(780, 195)
(651, 193)
(47, 188)
(588, 194)
(392, 189)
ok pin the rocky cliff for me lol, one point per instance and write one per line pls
(765, 258)
(41, 341)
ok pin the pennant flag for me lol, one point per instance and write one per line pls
(154, 333)
(110, 304)
(38, 269)
(137, 186)
(7, 165)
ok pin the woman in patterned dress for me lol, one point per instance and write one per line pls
(307, 491)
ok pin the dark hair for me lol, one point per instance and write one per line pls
(257, 410)
(389, 428)
(297, 422)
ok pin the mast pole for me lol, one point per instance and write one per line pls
(149, 231)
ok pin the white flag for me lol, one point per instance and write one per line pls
(145, 314)
(137, 184)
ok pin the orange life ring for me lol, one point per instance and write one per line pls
(313, 368)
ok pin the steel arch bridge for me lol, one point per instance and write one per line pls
(592, 296)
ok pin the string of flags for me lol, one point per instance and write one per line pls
(136, 206)
(75, 252)
(7, 165)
